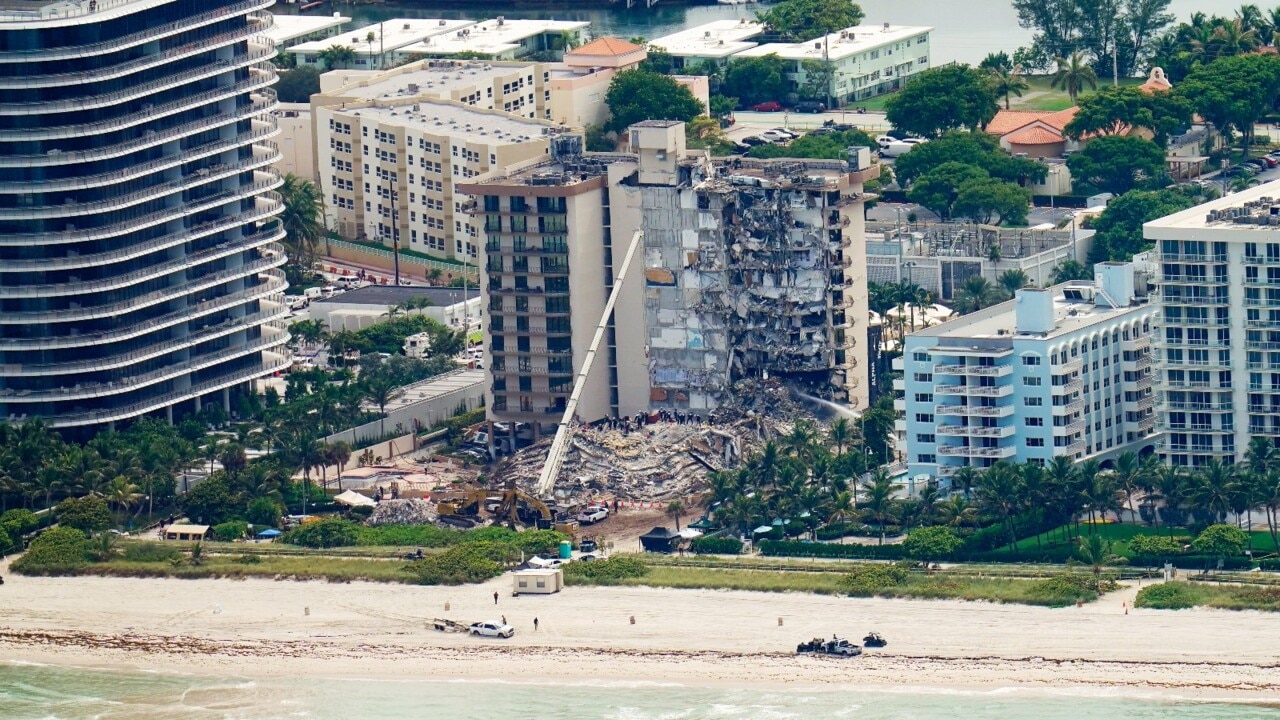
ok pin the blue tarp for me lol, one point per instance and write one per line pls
(270, 533)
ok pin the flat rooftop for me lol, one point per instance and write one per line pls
(292, 27)
(713, 40)
(37, 10)
(421, 78)
(1257, 208)
(998, 322)
(432, 388)
(389, 295)
(388, 35)
(442, 117)
(842, 44)
(491, 37)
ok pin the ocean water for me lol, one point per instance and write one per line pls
(36, 692)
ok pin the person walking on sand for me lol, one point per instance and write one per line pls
(504, 619)
(535, 624)
(495, 598)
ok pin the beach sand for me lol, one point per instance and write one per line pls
(265, 628)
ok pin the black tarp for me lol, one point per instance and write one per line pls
(659, 539)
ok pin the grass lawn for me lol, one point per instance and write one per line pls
(272, 566)
(1043, 97)
(1180, 595)
(940, 586)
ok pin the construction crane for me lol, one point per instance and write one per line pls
(564, 433)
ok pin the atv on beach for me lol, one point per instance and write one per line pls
(834, 646)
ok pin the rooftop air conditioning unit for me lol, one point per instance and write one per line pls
(817, 46)
(501, 20)
(721, 42)
(413, 88)
(886, 27)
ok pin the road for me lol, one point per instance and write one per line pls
(748, 123)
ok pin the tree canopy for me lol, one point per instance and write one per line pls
(1115, 110)
(1233, 93)
(1119, 227)
(939, 188)
(1118, 164)
(754, 80)
(941, 99)
(988, 200)
(298, 85)
(978, 149)
(1130, 28)
(637, 95)
(799, 20)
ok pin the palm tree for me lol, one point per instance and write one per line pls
(1228, 40)
(966, 478)
(998, 491)
(340, 455)
(1210, 489)
(1270, 499)
(675, 511)
(841, 508)
(976, 293)
(1073, 74)
(337, 55)
(302, 218)
(1130, 476)
(1013, 280)
(841, 433)
(381, 390)
(369, 37)
(1094, 551)
(1005, 82)
(958, 511)
(879, 490)
(1251, 17)
(928, 500)
(122, 494)
(1170, 487)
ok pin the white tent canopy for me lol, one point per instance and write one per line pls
(354, 499)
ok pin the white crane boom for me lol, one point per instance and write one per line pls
(564, 433)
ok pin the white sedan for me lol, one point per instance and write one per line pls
(775, 136)
(493, 628)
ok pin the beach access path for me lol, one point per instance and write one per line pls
(283, 628)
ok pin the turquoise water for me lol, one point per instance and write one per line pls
(29, 692)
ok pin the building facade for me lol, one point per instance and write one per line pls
(1064, 370)
(1217, 344)
(388, 170)
(864, 60)
(138, 257)
(745, 269)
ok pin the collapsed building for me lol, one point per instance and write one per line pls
(748, 269)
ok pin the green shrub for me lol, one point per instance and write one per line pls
(606, 571)
(1154, 545)
(866, 580)
(6, 543)
(150, 552)
(264, 513)
(539, 542)
(249, 560)
(716, 546)
(835, 531)
(467, 563)
(231, 530)
(323, 534)
(782, 548)
(18, 522)
(1074, 586)
(88, 514)
(932, 543)
(56, 550)
(1168, 596)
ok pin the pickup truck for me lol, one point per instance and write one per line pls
(593, 514)
(492, 629)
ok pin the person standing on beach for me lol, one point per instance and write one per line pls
(535, 624)
(495, 598)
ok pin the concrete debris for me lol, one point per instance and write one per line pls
(403, 512)
(664, 459)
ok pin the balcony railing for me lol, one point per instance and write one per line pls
(138, 38)
(158, 296)
(1200, 406)
(1195, 300)
(256, 111)
(976, 410)
(984, 452)
(1191, 257)
(1070, 387)
(272, 364)
(266, 51)
(980, 370)
(271, 338)
(253, 28)
(273, 287)
(226, 327)
(1070, 428)
(975, 431)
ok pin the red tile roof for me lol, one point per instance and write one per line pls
(1034, 135)
(606, 46)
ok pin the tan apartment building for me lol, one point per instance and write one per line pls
(746, 269)
(388, 170)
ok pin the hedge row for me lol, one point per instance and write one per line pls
(716, 546)
(784, 548)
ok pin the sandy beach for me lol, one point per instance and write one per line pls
(265, 628)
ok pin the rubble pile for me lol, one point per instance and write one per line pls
(753, 398)
(403, 512)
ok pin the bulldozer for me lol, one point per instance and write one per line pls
(520, 508)
(463, 507)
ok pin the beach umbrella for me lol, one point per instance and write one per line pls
(270, 533)
(764, 529)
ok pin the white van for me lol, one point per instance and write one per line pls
(350, 282)
(892, 148)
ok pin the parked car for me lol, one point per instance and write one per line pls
(775, 136)
(793, 134)
(1270, 161)
(810, 106)
(492, 628)
(754, 140)
(771, 106)
(822, 131)
(741, 147)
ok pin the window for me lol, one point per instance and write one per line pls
(924, 377)
(924, 397)
(1032, 402)
(928, 458)
(924, 417)
(1031, 381)
(1035, 442)
(925, 437)
(1035, 422)
(1030, 360)
(920, 357)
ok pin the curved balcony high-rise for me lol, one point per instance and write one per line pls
(138, 250)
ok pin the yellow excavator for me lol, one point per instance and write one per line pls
(519, 507)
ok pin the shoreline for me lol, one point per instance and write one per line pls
(263, 629)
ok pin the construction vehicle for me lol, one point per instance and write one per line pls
(464, 507)
(519, 507)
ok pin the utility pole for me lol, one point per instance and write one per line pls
(1115, 65)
